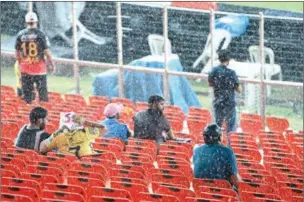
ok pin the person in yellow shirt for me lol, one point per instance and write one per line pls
(18, 79)
(74, 142)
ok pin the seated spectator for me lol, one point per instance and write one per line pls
(114, 128)
(31, 135)
(76, 141)
(214, 161)
(152, 124)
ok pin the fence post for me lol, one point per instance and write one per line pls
(30, 6)
(211, 27)
(166, 45)
(119, 51)
(75, 49)
(261, 52)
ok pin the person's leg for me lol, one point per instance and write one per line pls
(42, 88)
(27, 87)
(218, 115)
(230, 121)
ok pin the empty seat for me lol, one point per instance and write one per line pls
(69, 196)
(180, 193)
(108, 192)
(144, 196)
(20, 190)
(211, 183)
(171, 179)
(15, 197)
(65, 188)
(132, 188)
(21, 182)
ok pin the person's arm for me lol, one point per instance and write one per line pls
(234, 177)
(90, 124)
(47, 145)
(237, 86)
(47, 53)
(17, 49)
(196, 163)
(171, 135)
(210, 78)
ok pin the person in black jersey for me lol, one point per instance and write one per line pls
(32, 47)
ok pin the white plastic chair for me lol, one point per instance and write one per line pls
(271, 69)
(219, 35)
(156, 44)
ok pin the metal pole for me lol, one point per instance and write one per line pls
(261, 52)
(119, 50)
(211, 26)
(166, 45)
(30, 6)
(75, 49)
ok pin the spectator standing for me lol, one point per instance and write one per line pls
(31, 135)
(214, 161)
(114, 128)
(74, 142)
(224, 82)
(31, 48)
(152, 124)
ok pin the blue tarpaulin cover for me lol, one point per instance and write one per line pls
(139, 86)
(236, 25)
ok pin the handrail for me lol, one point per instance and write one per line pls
(158, 71)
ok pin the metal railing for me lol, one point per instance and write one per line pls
(165, 72)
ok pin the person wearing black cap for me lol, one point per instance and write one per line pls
(152, 124)
(224, 82)
(213, 160)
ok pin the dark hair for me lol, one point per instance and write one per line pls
(37, 113)
(155, 98)
(212, 134)
(223, 55)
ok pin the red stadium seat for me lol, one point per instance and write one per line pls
(18, 190)
(74, 98)
(255, 187)
(175, 148)
(210, 183)
(116, 149)
(252, 195)
(117, 141)
(14, 197)
(65, 188)
(132, 188)
(8, 173)
(181, 155)
(62, 195)
(191, 199)
(277, 124)
(215, 190)
(180, 193)
(85, 174)
(48, 170)
(9, 130)
(51, 159)
(14, 161)
(70, 158)
(20, 182)
(98, 100)
(126, 173)
(171, 179)
(253, 152)
(55, 97)
(127, 156)
(86, 183)
(129, 167)
(251, 126)
(185, 169)
(40, 178)
(223, 198)
(107, 199)
(108, 192)
(165, 172)
(146, 166)
(144, 196)
(31, 154)
(141, 150)
(129, 180)
(11, 167)
(102, 155)
(88, 167)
